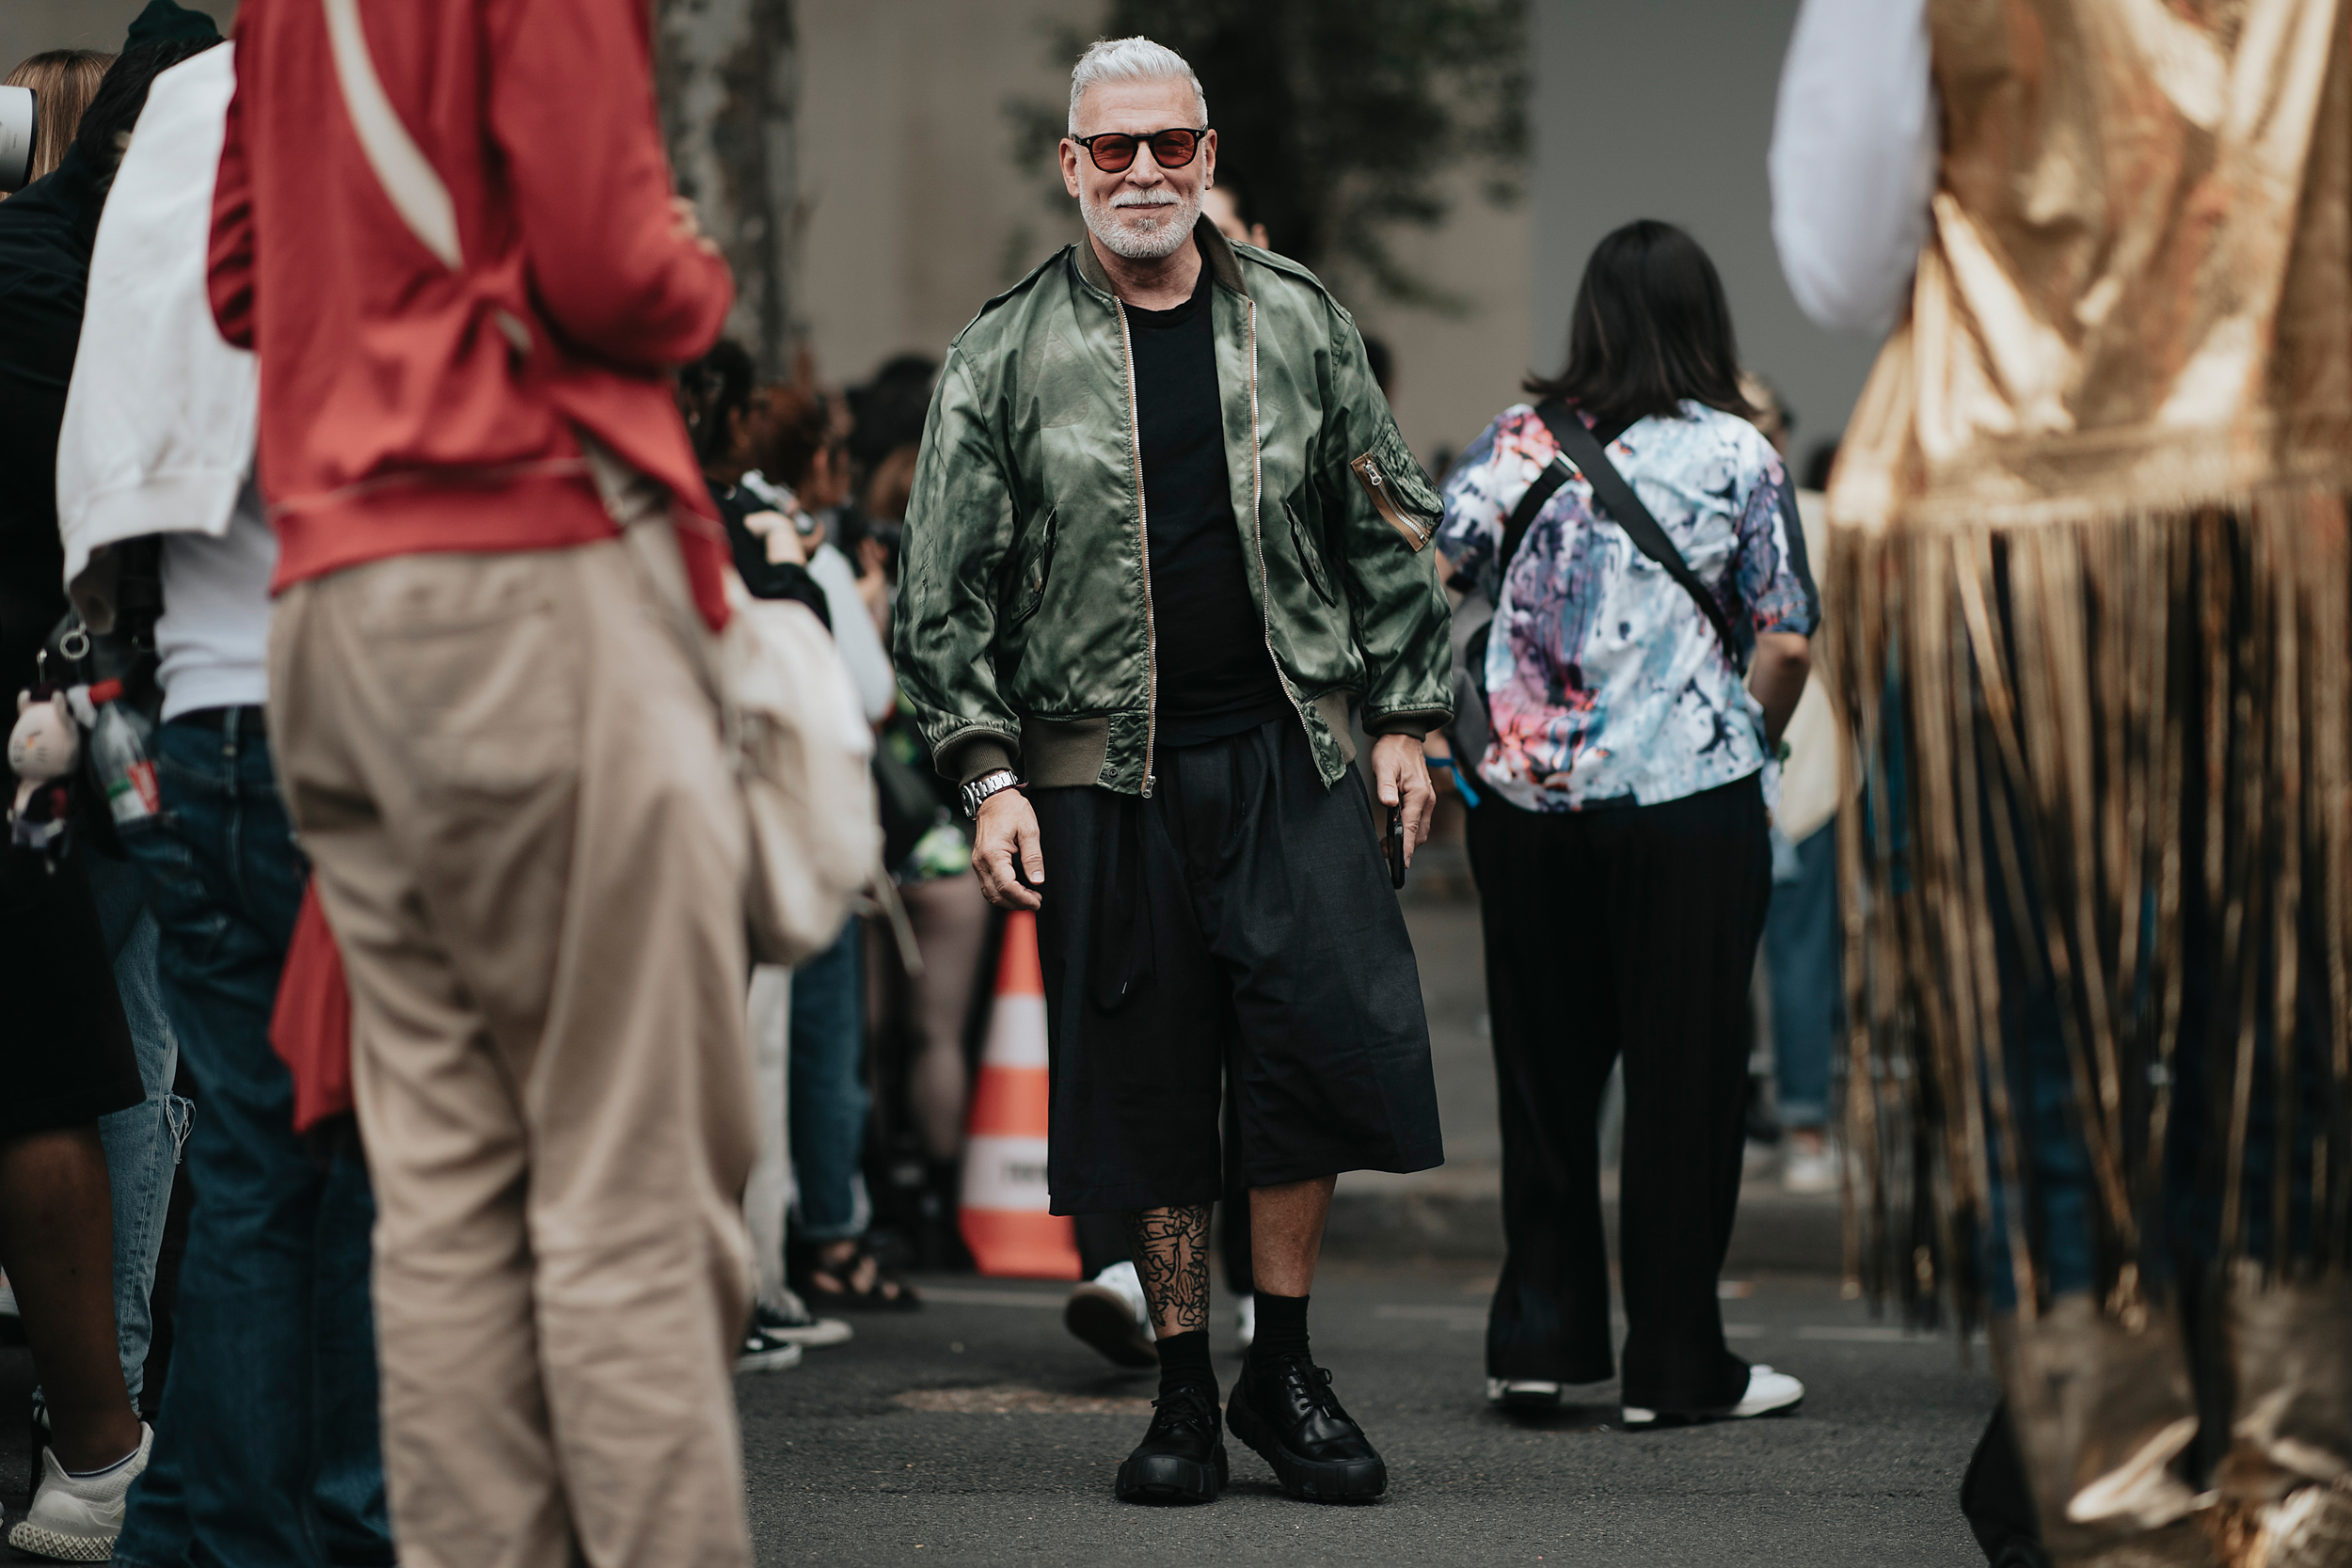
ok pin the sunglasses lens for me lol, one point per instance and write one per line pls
(1174, 149)
(1113, 153)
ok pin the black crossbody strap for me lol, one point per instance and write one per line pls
(1625, 510)
(1547, 485)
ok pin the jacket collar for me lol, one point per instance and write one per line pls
(1223, 265)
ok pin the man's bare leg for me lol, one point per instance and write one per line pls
(1286, 1233)
(1171, 1248)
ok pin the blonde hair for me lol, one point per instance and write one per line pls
(1134, 59)
(63, 81)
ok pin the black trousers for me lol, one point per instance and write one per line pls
(1627, 930)
(1239, 925)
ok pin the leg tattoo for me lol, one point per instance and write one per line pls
(1172, 1258)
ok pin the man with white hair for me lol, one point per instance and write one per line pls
(1163, 531)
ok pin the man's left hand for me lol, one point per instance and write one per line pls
(1402, 779)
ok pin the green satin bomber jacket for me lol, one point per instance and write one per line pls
(1025, 635)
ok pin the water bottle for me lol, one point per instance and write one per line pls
(126, 768)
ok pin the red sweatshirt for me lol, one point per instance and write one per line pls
(409, 406)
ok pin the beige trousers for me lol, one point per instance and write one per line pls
(525, 838)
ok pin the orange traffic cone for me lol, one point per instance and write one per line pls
(1003, 1218)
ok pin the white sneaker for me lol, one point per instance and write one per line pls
(1811, 1175)
(1245, 1321)
(1768, 1392)
(796, 1324)
(1522, 1393)
(76, 1518)
(1108, 1312)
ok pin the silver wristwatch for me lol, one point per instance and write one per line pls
(979, 789)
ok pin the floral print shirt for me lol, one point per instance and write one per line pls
(1606, 684)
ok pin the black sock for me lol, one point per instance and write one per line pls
(1184, 1359)
(1281, 1328)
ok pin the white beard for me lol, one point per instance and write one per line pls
(1138, 232)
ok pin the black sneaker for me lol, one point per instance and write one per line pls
(1288, 1413)
(1182, 1457)
(763, 1352)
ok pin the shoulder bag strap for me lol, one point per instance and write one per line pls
(1547, 485)
(1625, 508)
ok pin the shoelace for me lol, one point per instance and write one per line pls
(1186, 1407)
(1317, 1386)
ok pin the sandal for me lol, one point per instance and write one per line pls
(826, 1284)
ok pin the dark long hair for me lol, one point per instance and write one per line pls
(1651, 328)
(712, 392)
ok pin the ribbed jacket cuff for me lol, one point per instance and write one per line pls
(1417, 725)
(971, 755)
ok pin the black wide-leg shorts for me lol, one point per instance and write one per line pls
(1240, 919)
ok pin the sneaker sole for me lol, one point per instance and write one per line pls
(31, 1538)
(1343, 1480)
(1524, 1399)
(1652, 1421)
(1105, 1323)
(817, 1335)
(1163, 1477)
(779, 1360)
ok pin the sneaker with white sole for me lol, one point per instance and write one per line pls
(1522, 1393)
(762, 1352)
(797, 1325)
(1769, 1393)
(76, 1518)
(1108, 1312)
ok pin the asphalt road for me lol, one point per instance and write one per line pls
(976, 1431)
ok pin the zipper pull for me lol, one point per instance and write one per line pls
(1147, 787)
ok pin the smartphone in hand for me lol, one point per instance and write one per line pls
(1396, 848)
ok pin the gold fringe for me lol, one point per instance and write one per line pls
(2022, 708)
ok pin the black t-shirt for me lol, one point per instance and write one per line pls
(1215, 676)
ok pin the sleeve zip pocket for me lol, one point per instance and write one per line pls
(1385, 501)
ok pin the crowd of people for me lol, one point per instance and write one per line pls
(412, 1118)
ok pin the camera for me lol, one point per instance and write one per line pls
(16, 137)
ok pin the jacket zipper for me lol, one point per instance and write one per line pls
(1143, 548)
(1257, 527)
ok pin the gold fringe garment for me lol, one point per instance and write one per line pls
(2020, 713)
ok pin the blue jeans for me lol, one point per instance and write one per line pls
(1801, 953)
(143, 1142)
(266, 1451)
(829, 1099)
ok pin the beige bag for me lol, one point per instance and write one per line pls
(795, 733)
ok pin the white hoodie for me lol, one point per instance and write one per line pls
(160, 415)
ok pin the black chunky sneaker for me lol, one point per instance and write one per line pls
(1288, 1413)
(1182, 1457)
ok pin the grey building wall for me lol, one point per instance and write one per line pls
(1663, 109)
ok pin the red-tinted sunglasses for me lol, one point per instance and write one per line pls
(1113, 151)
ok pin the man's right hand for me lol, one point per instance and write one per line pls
(1007, 828)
